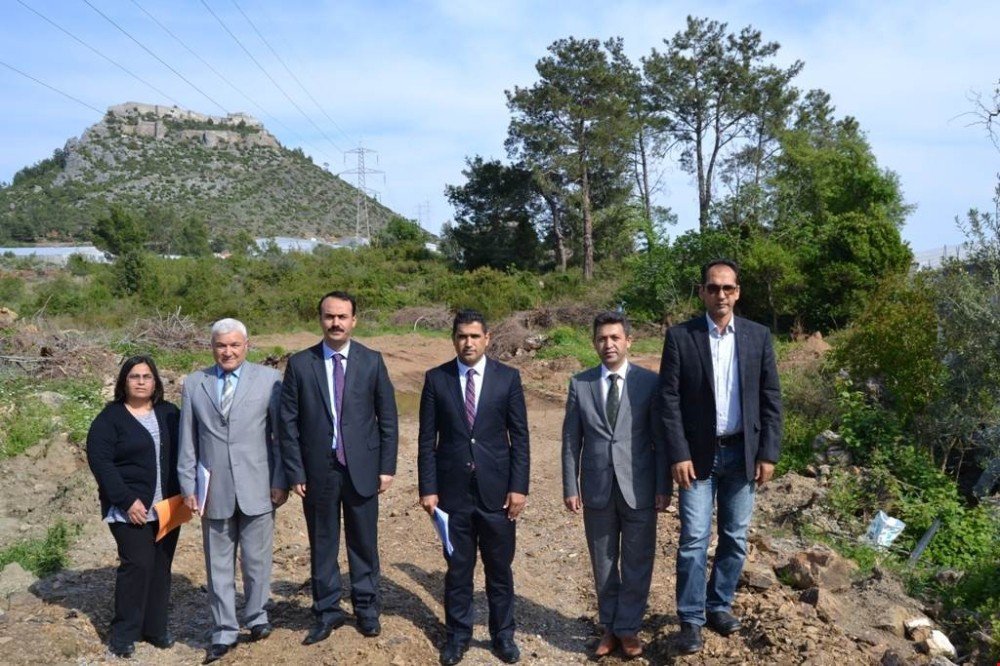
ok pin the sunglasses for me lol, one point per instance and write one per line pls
(727, 289)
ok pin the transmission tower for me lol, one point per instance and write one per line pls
(363, 193)
(423, 213)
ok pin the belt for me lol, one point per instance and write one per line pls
(729, 440)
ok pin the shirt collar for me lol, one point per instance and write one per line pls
(328, 353)
(713, 329)
(621, 372)
(479, 367)
(221, 374)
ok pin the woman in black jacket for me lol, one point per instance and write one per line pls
(132, 451)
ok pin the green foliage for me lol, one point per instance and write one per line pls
(83, 403)
(571, 342)
(24, 421)
(896, 340)
(809, 409)
(119, 232)
(42, 557)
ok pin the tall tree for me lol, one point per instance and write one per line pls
(574, 120)
(494, 213)
(714, 92)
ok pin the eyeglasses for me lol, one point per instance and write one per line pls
(727, 289)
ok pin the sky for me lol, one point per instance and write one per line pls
(421, 84)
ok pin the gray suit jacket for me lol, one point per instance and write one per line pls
(242, 453)
(633, 452)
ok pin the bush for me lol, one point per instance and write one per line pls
(41, 557)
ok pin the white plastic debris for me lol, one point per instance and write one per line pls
(883, 530)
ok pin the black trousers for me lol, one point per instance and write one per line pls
(472, 527)
(142, 582)
(322, 510)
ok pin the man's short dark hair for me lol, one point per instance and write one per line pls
(463, 317)
(340, 296)
(609, 317)
(720, 262)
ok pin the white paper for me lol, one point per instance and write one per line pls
(440, 519)
(201, 486)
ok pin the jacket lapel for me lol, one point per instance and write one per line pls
(705, 352)
(742, 359)
(599, 404)
(625, 406)
(208, 384)
(455, 383)
(319, 374)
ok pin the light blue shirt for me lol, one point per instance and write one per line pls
(726, 373)
(328, 362)
(220, 383)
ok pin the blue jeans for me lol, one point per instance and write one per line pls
(728, 486)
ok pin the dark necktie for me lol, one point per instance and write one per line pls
(338, 404)
(614, 400)
(470, 397)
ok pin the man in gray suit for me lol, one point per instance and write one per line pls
(615, 470)
(229, 422)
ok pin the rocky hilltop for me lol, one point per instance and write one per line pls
(227, 169)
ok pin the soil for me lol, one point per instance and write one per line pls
(63, 619)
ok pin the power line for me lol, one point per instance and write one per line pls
(52, 88)
(158, 58)
(109, 59)
(362, 192)
(290, 72)
(217, 73)
(270, 78)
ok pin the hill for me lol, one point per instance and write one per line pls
(229, 170)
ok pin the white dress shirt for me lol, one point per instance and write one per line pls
(328, 362)
(726, 372)
(606, 385)
(477, 386)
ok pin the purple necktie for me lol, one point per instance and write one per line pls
(338, 404)
(470, 397)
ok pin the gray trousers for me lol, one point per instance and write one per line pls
(622, 543)
(255, 536)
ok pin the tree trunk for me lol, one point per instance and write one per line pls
(561, 255)
(588, 224)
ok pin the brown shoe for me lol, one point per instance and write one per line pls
(607, 645)
(631, 646)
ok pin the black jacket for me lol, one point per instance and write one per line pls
(120, 453)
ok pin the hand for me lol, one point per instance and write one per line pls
(764, 472)
(573, 504)
(662, 502)
(683, 473)
(137, 513)
(299, 489)
(191, 502)
(384, 481)
(429, 503)
(514, 505)
(278, 496)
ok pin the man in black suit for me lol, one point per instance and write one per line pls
(473, 464)
(339, 436)
(722, 419)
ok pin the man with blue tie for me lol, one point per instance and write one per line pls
(721, 404)
(339, 436)
(473, 463)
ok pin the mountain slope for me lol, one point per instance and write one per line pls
(228, 170)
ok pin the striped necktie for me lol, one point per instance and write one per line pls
(228, 389)
(470, 397)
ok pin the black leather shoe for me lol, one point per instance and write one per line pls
(505, 648)
(122, 650)
(216, 651)
(453, 652)
(369, 626)
(164, 642)
(322, 630)
(723, 622)
(259, 632)
(689, 640)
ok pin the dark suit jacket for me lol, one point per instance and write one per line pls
(122, 457)
(371, 433)
(633, 452)
(688, 397)
(497, 442)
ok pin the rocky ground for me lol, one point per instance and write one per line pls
(830, 616)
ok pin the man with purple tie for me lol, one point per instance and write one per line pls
(339, 434)
(473, 464)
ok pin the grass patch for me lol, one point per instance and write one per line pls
(24, 421)
(42, 557)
